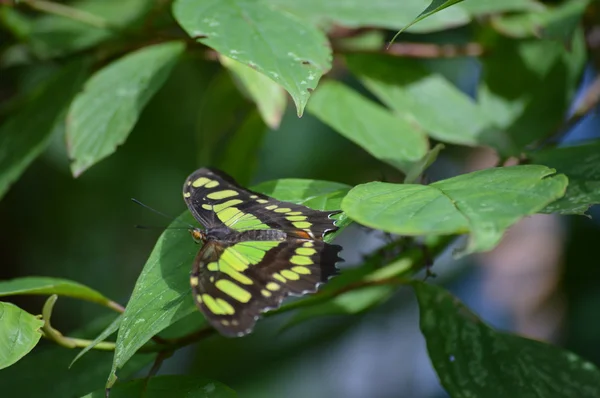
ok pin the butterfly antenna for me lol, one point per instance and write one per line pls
(159, 213)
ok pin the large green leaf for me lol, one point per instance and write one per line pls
(46, 285)
(53, 35)
(172, 386)
(283, 47)
(24, 136)
(428, 99)
(19, 333)
(104, 113)
(162, 295)
(473, 360)
(269, 96)
(392, 139)
(483, 203)
(582, 165)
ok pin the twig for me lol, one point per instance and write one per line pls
(423, 50)
(415, 259)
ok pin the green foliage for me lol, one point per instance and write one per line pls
(19, 333)
(111, 101)
(295, 60)
(472, 359)
(175, 85)
(484, 203)
(49, 286)
(392, 140)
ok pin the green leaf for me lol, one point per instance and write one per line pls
(435, 7)
(428, 99)
(473, 360)
(375, 13)
(483, 203)
(173, 386)
(394, 140)
(25, 136)
(240, 156)
(104, 113)
(110, 329)
(582, 165)
(269, 97)
(53, 35)
(162, 294)
(46, 285)
(281, 46)
(19, 333)
(526, 89)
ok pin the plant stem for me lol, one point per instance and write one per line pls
(410, 262)
(67, 12)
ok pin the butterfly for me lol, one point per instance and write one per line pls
(256, 250)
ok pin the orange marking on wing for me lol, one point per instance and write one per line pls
(302, 234)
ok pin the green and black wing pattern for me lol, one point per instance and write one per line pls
(214, 199)
(236, 278)
(233, 285)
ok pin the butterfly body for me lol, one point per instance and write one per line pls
(256, 250)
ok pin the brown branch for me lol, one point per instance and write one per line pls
(423, 50)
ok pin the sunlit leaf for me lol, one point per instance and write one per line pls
(48, 286)
(428, 99)
(104, 113)
(473, 360)
(19, 333)
(483, 203)
(389, 138)
(281, 46)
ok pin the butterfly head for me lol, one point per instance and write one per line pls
(198, 235)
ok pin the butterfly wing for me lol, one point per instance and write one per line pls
(234, 284)
(215, 199)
